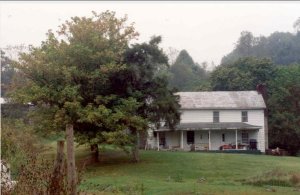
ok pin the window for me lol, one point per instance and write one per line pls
(244, 116)
(190, 137)
(223, 137)
(216, 116)
(245, 138)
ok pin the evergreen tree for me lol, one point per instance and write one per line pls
(186, 75)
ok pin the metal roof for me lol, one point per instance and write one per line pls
(212, 126)
(221, 100)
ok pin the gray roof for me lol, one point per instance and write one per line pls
(212, 126)
(221, 100)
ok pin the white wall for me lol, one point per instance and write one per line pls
(196, 116)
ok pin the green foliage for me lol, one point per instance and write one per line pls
(281, 47)
(18, 143)
(185, 74)
(143, 81)
(284, 106)
(244, 74)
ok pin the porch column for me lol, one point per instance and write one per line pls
(157, 141)
(209, 143)
(236, 142)
(181, 139)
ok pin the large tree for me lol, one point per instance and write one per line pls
(284, 106)
(90, 77)
(144, 80)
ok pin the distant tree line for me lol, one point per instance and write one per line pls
(281, 47)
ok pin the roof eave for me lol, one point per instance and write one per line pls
(219, 108)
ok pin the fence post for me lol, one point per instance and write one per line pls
(71, 169)
(57, 178)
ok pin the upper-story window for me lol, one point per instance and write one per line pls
(216, 116)
(244, 116)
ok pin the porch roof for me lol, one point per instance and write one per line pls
(212, 126)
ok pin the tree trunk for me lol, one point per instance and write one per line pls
(72, 182)
(95, 149)
(135, 148)
(57, 178)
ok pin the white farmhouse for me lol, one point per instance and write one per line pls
(216, 120)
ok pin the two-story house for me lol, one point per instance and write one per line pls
(216, 120)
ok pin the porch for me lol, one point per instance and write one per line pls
(208, 137)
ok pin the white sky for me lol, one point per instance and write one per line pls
(207, 30)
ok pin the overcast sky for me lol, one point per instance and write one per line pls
(207, 30)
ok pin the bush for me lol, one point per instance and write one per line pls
(17, 143)
(34, 175)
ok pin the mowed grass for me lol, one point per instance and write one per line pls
(184, 173)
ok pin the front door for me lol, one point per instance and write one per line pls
(190, 137)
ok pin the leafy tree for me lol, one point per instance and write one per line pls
(67, 78)
(244, 74)
(89, 77)
(186, 75)
(284, 106)
(145, 81)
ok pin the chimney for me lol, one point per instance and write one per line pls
(262, 89)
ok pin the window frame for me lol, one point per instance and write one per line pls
(216, 116)
(244, 116)
(243, 137)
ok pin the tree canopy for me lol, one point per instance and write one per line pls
(244, 74)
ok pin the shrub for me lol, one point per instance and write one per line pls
(17, 143)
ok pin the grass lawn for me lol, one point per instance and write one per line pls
(189, 173)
